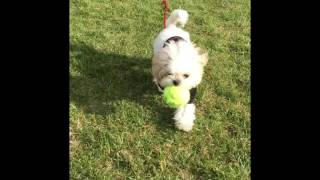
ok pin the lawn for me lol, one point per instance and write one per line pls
(119, 126)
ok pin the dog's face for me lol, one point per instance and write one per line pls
(180, 64)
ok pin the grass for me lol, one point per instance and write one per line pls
(119, 126)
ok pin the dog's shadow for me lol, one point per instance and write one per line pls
(102, 81)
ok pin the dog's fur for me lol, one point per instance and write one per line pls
(178, 63)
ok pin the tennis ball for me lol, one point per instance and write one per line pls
(176, 96)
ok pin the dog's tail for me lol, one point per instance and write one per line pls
(178, 17)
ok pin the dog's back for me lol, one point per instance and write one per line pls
(177, 19)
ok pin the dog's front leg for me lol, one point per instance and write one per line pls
(184, 117)
(157, 84)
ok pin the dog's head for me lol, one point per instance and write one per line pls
(180, 64)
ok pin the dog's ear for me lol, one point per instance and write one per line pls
(203, 58)
(160, 65)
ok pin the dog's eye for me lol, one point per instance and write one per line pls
(169, 74)
(186, 75)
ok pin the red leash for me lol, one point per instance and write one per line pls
(165, 11)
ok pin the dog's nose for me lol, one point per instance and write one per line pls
(176, 82)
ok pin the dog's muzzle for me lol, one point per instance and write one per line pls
(193, 93)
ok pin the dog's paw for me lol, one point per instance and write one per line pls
(184, 125)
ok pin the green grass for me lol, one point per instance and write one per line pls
(119, 125)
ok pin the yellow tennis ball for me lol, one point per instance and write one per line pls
(176, 96)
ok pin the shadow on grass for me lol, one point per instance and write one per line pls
(104, 81)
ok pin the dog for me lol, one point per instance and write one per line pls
(178, 61)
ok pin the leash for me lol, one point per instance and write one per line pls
(165, 11)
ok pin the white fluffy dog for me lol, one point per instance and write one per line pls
(177, 61)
